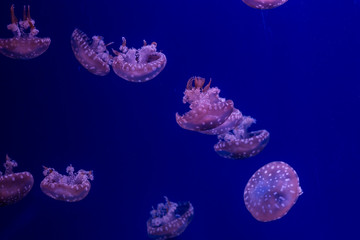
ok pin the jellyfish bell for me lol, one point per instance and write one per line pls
(14, 186)
(91, 53)
(264, 4)
(230, 123)
(70, 188)
(169, 220)
(272, 191)
(138, 65)
(24, 45)
(207, 109)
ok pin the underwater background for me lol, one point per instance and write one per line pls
(295, 69)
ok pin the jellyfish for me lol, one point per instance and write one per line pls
(14, 186)
(272, 191)
(207, 109)
(138, 65)
(210, 114)
(71, 188)
(239, 143)
(264, 4)
(91, 54)
(24, 44)
(169, 220)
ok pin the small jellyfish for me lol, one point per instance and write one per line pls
(272, 191)
(264, 4)
(24, 45)
(14, 186)
(71, 188)
(169, 220)
(92, 54)
(138, 65)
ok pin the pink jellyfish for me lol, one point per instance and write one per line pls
(14, 186)
(207, 109)
(71, 188)
(24, 45)
(272, 191)
(138, 65)
(264, 4)
(213, 115)
(239, 143)
(92, 54)
(169, 220)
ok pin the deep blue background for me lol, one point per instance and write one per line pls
(296, 69)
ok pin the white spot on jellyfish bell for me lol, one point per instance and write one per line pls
(24, 44)
(272, 191)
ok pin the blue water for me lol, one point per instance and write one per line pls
(295, 69)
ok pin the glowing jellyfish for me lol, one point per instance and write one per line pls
(264, 4)
(207, 109)
(24, 45)
(138, 65)
(272, 191)
(92, 54)
(169, 220)
(14, 186)
(239, 143)
(71, 188)
(213, 115)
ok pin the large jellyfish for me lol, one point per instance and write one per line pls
(169, 220)
(272, 191)
(14, 186)
(70, 188)
(213, 115)
(24, 45)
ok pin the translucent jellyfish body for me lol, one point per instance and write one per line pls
(138, 65)
(92, 54)
(70, 188)
(213, 115)
(264, 4)
(169, 220)
(272, 191)
(14, 186)
(24, 45)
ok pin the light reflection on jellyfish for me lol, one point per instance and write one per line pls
(14, 186)
(169, 220)
(70, 188)
(24, 45)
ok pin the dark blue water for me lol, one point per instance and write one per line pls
(294, 68)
